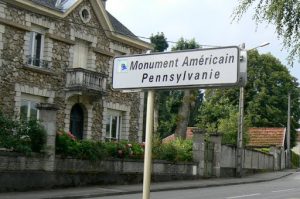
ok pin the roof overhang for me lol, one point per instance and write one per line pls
(100, 14)
(112, 34)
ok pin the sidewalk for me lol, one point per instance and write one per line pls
(110, 190)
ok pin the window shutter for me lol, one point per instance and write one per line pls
(80, 55)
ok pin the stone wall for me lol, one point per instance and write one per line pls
(19, 173)
(215, 159)
(252, 159)
(15, 162)
(124, 166)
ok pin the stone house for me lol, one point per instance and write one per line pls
(61, 52)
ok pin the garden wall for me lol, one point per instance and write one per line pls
(19, 173)
(215, 159)
(253, 161)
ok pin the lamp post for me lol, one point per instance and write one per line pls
(243, 79)
(288, 133)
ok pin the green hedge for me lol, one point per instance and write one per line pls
(295, 159)
(68, 146)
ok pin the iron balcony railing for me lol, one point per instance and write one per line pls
(37, 62)
(81, 79)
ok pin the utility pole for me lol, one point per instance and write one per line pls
(239, 149)
(243, 81)
(288, 133)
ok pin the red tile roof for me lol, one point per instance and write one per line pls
(189, 135)
(266, 137)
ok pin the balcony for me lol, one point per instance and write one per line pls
(83, 80)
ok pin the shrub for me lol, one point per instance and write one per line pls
(37, 135)
(24, 137)
(124, 149)
(295, 159)
(91, 150)
(175, 151)
(167, 152)
(67, 145)
(137, 151)
(184, 150)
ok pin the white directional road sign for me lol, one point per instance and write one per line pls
(213, 67)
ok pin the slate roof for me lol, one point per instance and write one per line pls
(117, 25)
(266, 137)
(48, 3)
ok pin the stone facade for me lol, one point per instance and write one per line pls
(60, 34)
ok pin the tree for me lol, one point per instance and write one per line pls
(269, 83)
(169, 103)
(284, 14)
(159, 41)
(172, 105)
(189, 96)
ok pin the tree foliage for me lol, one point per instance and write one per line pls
(184, 44)
(266, 93)
(159, 41)
(284, 14)
(171, 101)
(160, 44)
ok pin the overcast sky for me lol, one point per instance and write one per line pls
(208, 21)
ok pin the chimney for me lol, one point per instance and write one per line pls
(104, 3)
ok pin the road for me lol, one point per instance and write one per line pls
(285, 188)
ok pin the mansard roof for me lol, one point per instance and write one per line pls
(117, 25)
(52, 4)
(117, 32)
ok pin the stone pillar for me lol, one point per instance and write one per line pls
(48, 120)
(199, 150)
(216, 138)
(274, 152)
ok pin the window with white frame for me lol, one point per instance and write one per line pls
(28, 110)
(36, 49)
(81, 50)
(113, 124)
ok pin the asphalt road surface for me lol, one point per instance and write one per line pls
(285, 188)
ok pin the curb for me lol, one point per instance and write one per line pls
(167, 189)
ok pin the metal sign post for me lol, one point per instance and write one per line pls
(239, 152)
(148, 146)
(199, 68)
